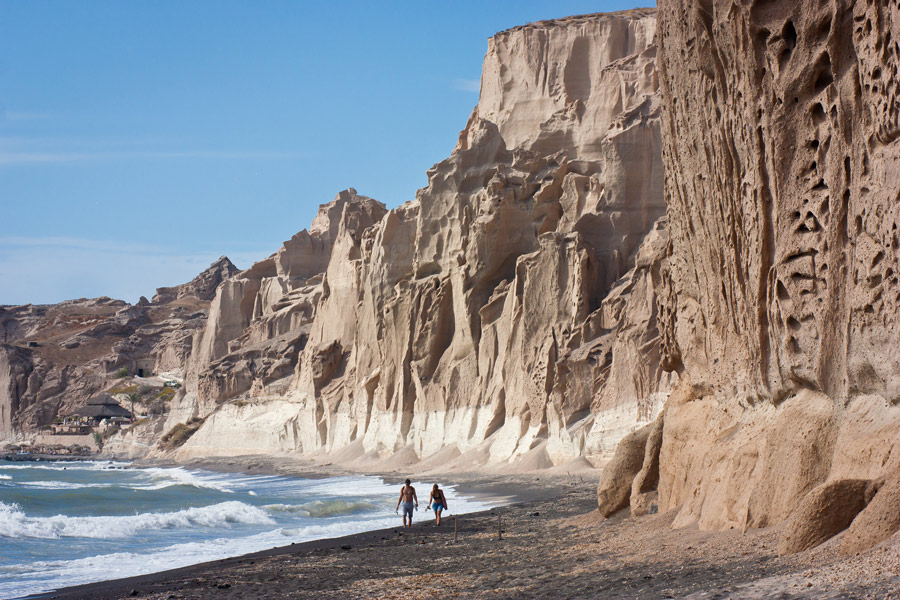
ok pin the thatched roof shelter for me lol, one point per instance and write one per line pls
(102, 407)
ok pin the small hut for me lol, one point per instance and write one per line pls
(102, 407)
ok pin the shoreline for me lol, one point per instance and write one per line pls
(28, 457)
(115, 588)
(519, 492)
(550, 542)
(496, 490)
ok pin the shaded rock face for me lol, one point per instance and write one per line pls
(16, 366)
(617, 479)
(878, 520)
(825, 511)
(502, 310)
(778, 303)
(260, 318)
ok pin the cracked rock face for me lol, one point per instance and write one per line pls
(780, 301)
(259, 319)
(497, 311)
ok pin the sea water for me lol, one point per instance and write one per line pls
(68, 523)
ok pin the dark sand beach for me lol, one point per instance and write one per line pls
(551, 543)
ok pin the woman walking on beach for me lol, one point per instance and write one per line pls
(438, 502)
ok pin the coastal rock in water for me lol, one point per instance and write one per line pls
(780, 298)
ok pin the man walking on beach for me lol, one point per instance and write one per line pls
(407, 498)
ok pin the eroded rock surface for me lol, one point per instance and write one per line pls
(780, 289)
(494, 314)
(508, 313)
(202, 287)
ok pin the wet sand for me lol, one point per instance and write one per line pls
(551, 543)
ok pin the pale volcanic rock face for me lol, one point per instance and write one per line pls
(779, 296)
(202, 287)
(556, 85)
(474, 316)
(507, 314)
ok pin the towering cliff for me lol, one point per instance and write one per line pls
(780, 290)
(499, 314)
(508, 313)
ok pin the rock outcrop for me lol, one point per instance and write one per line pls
(617, 479)
(57, 357)
(499, 313)
(16, 366)
(824, 512)
(779, 301)
(877, 521)
(202, 287)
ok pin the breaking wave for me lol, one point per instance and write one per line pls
(16, 524)
(161, 478)
(323, 508)
(62, 485)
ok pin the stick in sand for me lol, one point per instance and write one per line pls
(499, 528)
(455, 529)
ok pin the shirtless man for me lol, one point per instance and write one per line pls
(407, 498)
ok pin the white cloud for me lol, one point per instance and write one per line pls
(467, 85)
(74, 243)
(21, 115)
(37, 150)
(8, 158)
(49, 270)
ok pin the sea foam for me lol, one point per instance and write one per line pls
(160, 478)
(16, 524)
(323, 508)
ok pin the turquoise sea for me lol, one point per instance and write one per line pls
(67, 523)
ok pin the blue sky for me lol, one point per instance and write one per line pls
(141, 140)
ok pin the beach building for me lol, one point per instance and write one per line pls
(102, 408)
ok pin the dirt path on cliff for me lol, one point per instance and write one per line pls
(556, 547)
